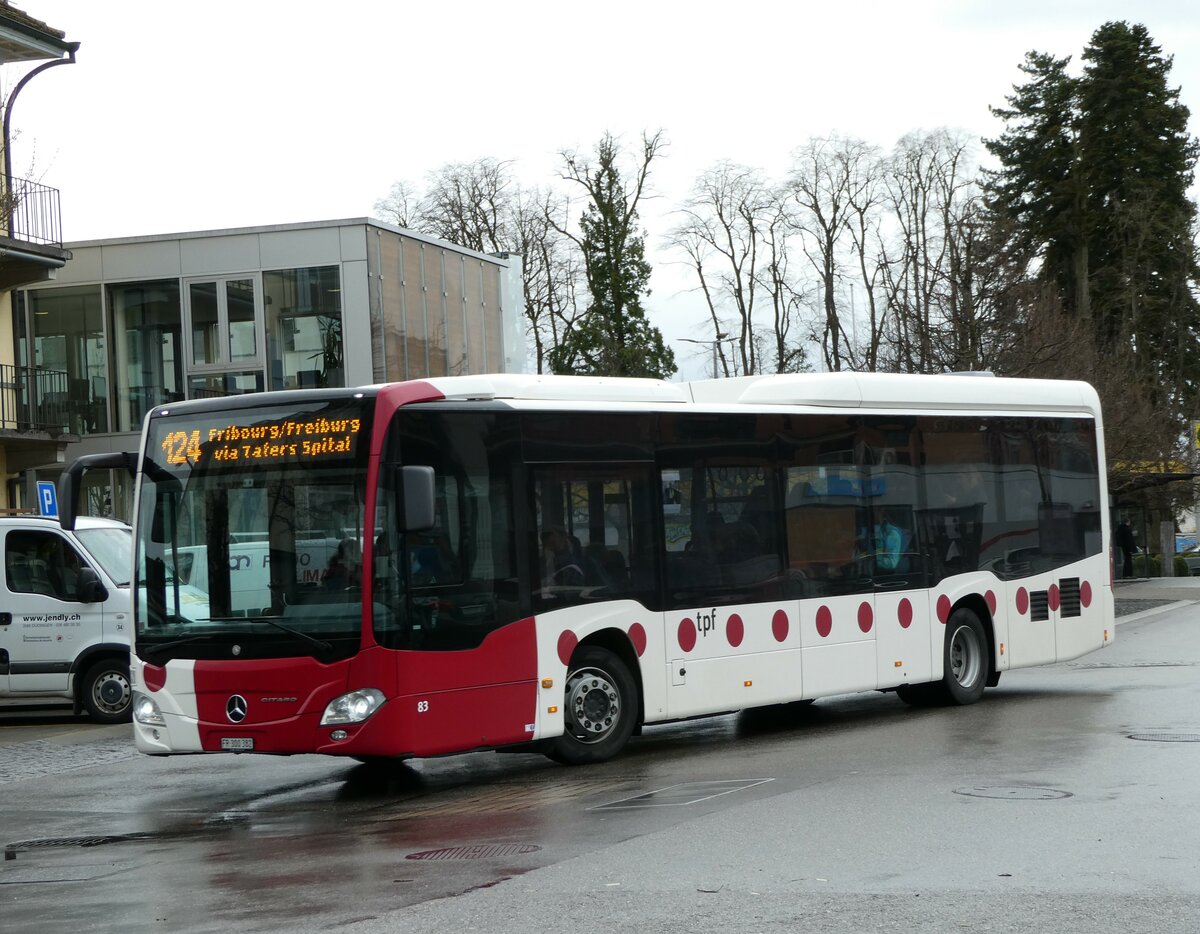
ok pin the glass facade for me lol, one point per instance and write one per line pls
(67, 325)
(304, 327)
(107, 352)
(439, 312)
(147, 328)
(117, 351)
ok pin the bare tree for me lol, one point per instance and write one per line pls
(782, 290)
(932, 201)
(864, 222)
(480, 206)
(472, 204)
(733, 233)
(399, 206)
(551, 271)
(829, 177)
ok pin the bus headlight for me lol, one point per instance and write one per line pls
(354, 707)
(145, 711)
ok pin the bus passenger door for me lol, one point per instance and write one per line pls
(731, 623)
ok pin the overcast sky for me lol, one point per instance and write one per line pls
(219, 114)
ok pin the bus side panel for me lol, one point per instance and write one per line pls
(902, 640)
(728, 658)
(1084, 608)
(451, 701)
(838, 639)
(438, 722)
(1031, 623)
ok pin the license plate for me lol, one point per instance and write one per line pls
(237, 743)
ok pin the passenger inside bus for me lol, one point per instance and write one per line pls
(345, 567)
(889, 541)
(560, 564)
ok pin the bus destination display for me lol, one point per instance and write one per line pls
(295, 438)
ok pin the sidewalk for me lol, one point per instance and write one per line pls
(1137, 595)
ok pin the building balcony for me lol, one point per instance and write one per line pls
(31, 246)
(34, 401)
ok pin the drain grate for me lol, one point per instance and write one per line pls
(1167, 737)
(1013, 792)
(479, 851)
(12, 849)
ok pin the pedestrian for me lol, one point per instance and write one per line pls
(1124, 542)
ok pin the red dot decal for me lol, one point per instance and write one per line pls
(566, 646)
(735, 631)
(637, 635)
(904, 612)
(154, 677)
(990, 597)
(687, 635)
(1085, 594)
(780, 625)
(943, 609)
(866, 616)
(1022, 601)
(1052, 597)
(824, 622)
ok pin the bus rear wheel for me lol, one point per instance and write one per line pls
(966, 659)
(600, 707)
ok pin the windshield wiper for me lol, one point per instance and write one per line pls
(325, 648)
(147, 651)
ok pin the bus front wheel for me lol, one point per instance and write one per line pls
(600, 707)
(966, 661)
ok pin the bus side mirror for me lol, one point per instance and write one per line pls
(90, 590)
(417, 484)
(70, 482)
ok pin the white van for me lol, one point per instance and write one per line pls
(65, 620)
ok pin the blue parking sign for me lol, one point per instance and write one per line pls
(47, 498)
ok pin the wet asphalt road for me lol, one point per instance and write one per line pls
(1033, 810)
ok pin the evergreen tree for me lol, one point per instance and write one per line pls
(1137, 166)
(1093, 181)
(613, 337)
(1038, 191)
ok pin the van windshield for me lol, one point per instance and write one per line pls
(250, 534)
(113, 550)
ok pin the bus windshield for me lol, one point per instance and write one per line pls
(251, 532)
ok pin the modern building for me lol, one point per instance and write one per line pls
(143, 321)
(31, 252)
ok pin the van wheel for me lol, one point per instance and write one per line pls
(600, 707)
(106, 693)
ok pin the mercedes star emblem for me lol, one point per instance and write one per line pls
(235, 708)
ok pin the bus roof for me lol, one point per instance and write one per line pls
(899, 391)
(844, 389)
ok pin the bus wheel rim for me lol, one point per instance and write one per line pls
(593, 705)
(965, 656)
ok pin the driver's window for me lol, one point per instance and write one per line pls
(42, 563)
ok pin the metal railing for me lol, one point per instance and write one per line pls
(33, 212)
(33, 398)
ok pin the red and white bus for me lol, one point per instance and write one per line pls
(430, 567)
